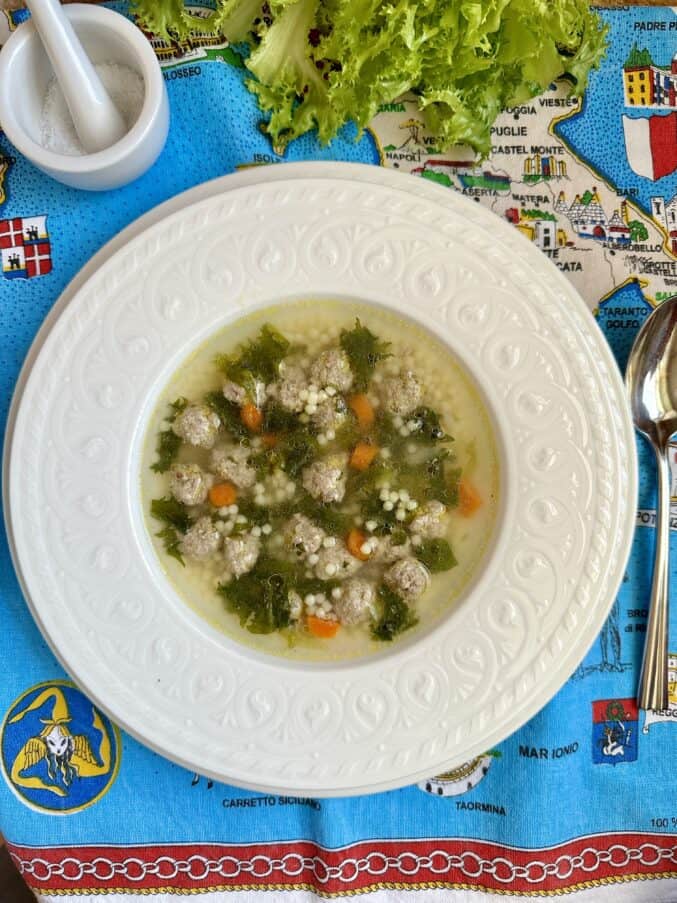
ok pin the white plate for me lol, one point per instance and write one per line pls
(95, 587)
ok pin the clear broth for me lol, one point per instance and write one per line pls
(446, 387)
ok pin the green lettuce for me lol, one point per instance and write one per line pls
(318, 64)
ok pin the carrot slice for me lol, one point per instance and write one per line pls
(362, 455)
(469, 499)
(270, 440)
(363, 409)
(322, 628)
(252, 417)
(222, 494)
(354, 541)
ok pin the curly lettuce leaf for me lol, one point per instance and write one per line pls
(289, 82)
(464, 62)
(319, 64)
(170, 19)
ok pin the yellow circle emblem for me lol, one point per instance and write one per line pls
(58, 753)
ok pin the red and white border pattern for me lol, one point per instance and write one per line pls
(590, 861)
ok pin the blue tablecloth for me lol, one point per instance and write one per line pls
(583, 798)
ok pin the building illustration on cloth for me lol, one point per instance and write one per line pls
(614, 731)
(589, 220)
(461, 779)
(194, 46)
(539, 226)
(25, 250)
(650, 142)
(468, 174)
(543, 167)
(665, 214)
(647, 85)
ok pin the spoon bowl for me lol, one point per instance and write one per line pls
(651, 379)
(651, 375)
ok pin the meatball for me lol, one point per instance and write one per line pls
(201, 540)
(289, 389)
(302, 535)
(335, 563)
(429, 520)
(325, 480)
(234, 392)
(330, 414)
(189, 484)
(356, 602)
(408, 578)
(332, 368)
(241, 553)
(402, 394)
(198, 425)
(233, 464)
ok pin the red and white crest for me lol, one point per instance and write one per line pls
(25, 250)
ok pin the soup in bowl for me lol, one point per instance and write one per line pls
(320, 479)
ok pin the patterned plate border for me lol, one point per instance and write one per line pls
(498, 659)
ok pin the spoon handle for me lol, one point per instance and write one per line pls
(653, 682)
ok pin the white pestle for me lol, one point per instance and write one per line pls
(97, 120)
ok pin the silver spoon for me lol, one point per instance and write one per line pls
(651, 380)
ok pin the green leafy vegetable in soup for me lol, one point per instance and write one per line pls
(259, 358)
(436, 555)
(316, 482)
(364, 351)
(395, 616)
(168, 443)
(172, 543)
(261, 597)
(175, 517)
(172, 512)
(229, 414)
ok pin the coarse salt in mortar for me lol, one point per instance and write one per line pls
(57, 131)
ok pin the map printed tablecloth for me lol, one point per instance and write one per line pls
(583, 799)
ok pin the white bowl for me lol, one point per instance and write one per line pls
(433, 701)
(25, 73)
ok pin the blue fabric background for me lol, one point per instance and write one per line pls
(545, 800)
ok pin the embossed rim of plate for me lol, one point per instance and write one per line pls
(489, 722)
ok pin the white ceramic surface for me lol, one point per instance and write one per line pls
(218, 708)
(97, 120)
(25, 73)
